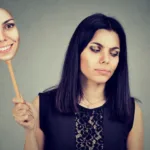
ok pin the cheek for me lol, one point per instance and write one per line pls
(14, 35)
(87, 64)
(115, 64)
(83, 64)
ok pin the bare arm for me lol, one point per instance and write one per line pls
(34, 139)
(30, 141)
(136, 135)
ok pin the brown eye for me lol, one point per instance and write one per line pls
(115, 54)
(9, 25)
(94, 49)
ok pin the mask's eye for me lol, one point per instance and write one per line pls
(9, 26)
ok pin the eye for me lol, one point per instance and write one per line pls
(95, 49)
(9, 26)
(115, 54)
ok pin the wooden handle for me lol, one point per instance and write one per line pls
(13, 80)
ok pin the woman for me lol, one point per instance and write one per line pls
(91, 108)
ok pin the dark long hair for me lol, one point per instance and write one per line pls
(117, 91)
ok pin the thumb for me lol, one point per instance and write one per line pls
(21, 98)
(33, 109)
(16, 100)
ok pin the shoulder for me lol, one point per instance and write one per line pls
(135, 137)
(45, 95)
(35, 102)
(134, 113)
(48, 92)
(137, 109)
(138, 116)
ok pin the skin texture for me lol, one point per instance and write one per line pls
(135, 140)
(9, 35)
(95, 56)
(101, 58)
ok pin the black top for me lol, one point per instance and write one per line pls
(89, 129)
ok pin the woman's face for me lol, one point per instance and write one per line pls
(9, 36)
(100, 57)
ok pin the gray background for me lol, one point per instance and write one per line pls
(46, 28)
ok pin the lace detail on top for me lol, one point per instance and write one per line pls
(89, 129)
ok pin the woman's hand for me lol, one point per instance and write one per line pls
(25, 114)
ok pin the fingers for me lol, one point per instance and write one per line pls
(26, 124)
(21, 109)
(30, 106)
(16, 100)
(20, 106)
(22, 112)
(25, 118)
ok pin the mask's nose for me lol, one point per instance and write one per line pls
(2, 36)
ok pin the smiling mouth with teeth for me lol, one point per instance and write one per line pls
(5, 49)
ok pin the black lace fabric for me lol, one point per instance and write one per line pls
(89, 129)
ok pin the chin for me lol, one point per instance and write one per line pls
(100, 80)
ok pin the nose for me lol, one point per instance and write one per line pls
(104, 57)
(2, 36)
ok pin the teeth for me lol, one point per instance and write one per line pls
(4, 48)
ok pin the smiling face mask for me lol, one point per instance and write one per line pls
(9, 36)
(9, 41)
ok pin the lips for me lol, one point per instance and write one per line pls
(103, 71)
(5, 49)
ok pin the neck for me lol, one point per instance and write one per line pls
(93, 92)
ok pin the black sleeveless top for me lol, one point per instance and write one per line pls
(88, 129)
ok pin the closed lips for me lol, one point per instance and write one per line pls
(102, 70)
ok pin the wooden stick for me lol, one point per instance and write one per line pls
(14, 80)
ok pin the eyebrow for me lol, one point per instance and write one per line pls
(7, 21)
(113, 48)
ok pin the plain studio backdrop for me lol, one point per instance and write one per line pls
(46, 27)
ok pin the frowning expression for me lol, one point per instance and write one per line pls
(100, 57)
(9, 36)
